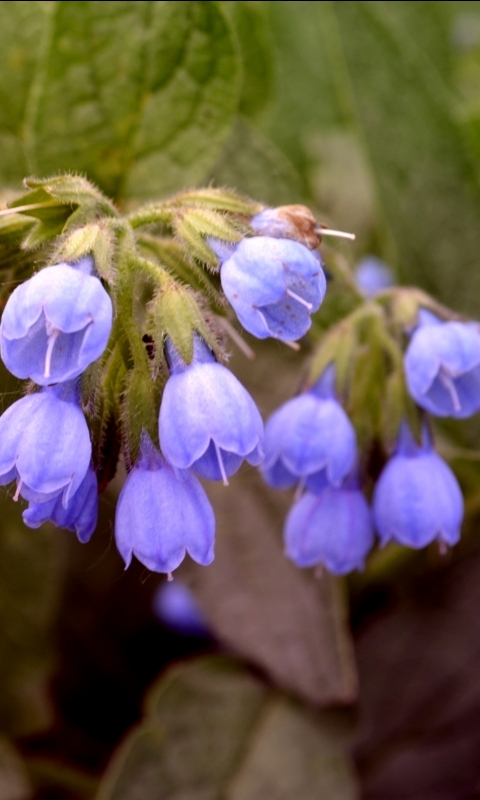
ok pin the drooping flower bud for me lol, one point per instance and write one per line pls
(208, 421)
(274, 285)
(80, 515)
(162, 514)
(442, 366)
(45, 444)
(333, 528)
(417, 498)
(55, 324)
(309, 440)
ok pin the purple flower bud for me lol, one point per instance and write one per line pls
(333, 528)
(417, 498)
(309, 439)
(442, 367)
(208, 421)
(274, 285)
(175, 606)
(80, 515)
(372, 275)
(55, 324)
(162, 514)
(45, 444)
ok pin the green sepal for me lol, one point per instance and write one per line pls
(193, 225)
(398, 406)
(172, 256)
(102, 386)
(218, 200)
(50, 218)
(176, 314)
(95, 238)
(73, 190)
(140, 409)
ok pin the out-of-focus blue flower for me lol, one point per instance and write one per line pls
(208, 421)
(175, 606)
(442, 366)
(45, 444)
(80, 515)
(373, 275)
(309, 439)
(274, 285)
(333, 528)
(55, 324)
(162, 514)
(417, 498)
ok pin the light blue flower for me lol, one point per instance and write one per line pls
(442, 367)
(274, 285)
(162, 514)
(45, 444)
(310, 440)
(80, 515)
(175, 606)
(208, 421)
(372, 275)
(55, 324)
(417, 498)
(333, 528)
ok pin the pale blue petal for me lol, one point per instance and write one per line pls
(74, 303)
(416, 500)
(175, 605)
(160, 518)
(333, 528)
(203, 404)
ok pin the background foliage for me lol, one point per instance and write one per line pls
(370, 113)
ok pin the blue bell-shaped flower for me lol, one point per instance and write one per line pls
(333, 528)
(309, 440)
(80, 515)
(162, 514)
(373, 276)
(208, 421)
(417, 498)
(274, 285)
(442, 366)
(45, 444)
(55, 324)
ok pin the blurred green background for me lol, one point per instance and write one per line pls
(369, 112)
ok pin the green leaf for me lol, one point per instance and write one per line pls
(213, 730)
(256, 48)
(253, 164)
(246, 594)
(426, 180)
(138, 95)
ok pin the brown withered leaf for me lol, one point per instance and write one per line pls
(418, 660)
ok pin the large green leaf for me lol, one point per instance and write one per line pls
(426, 181)
(139, 95)
(213, 731)
(251, 163)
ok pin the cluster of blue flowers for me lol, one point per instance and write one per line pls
(60, 321)
(53, 326)
(309, 442)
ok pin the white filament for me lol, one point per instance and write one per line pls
(221, 464)
(18, 490)
(299, 299)
(449, 385)
(52, 338)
